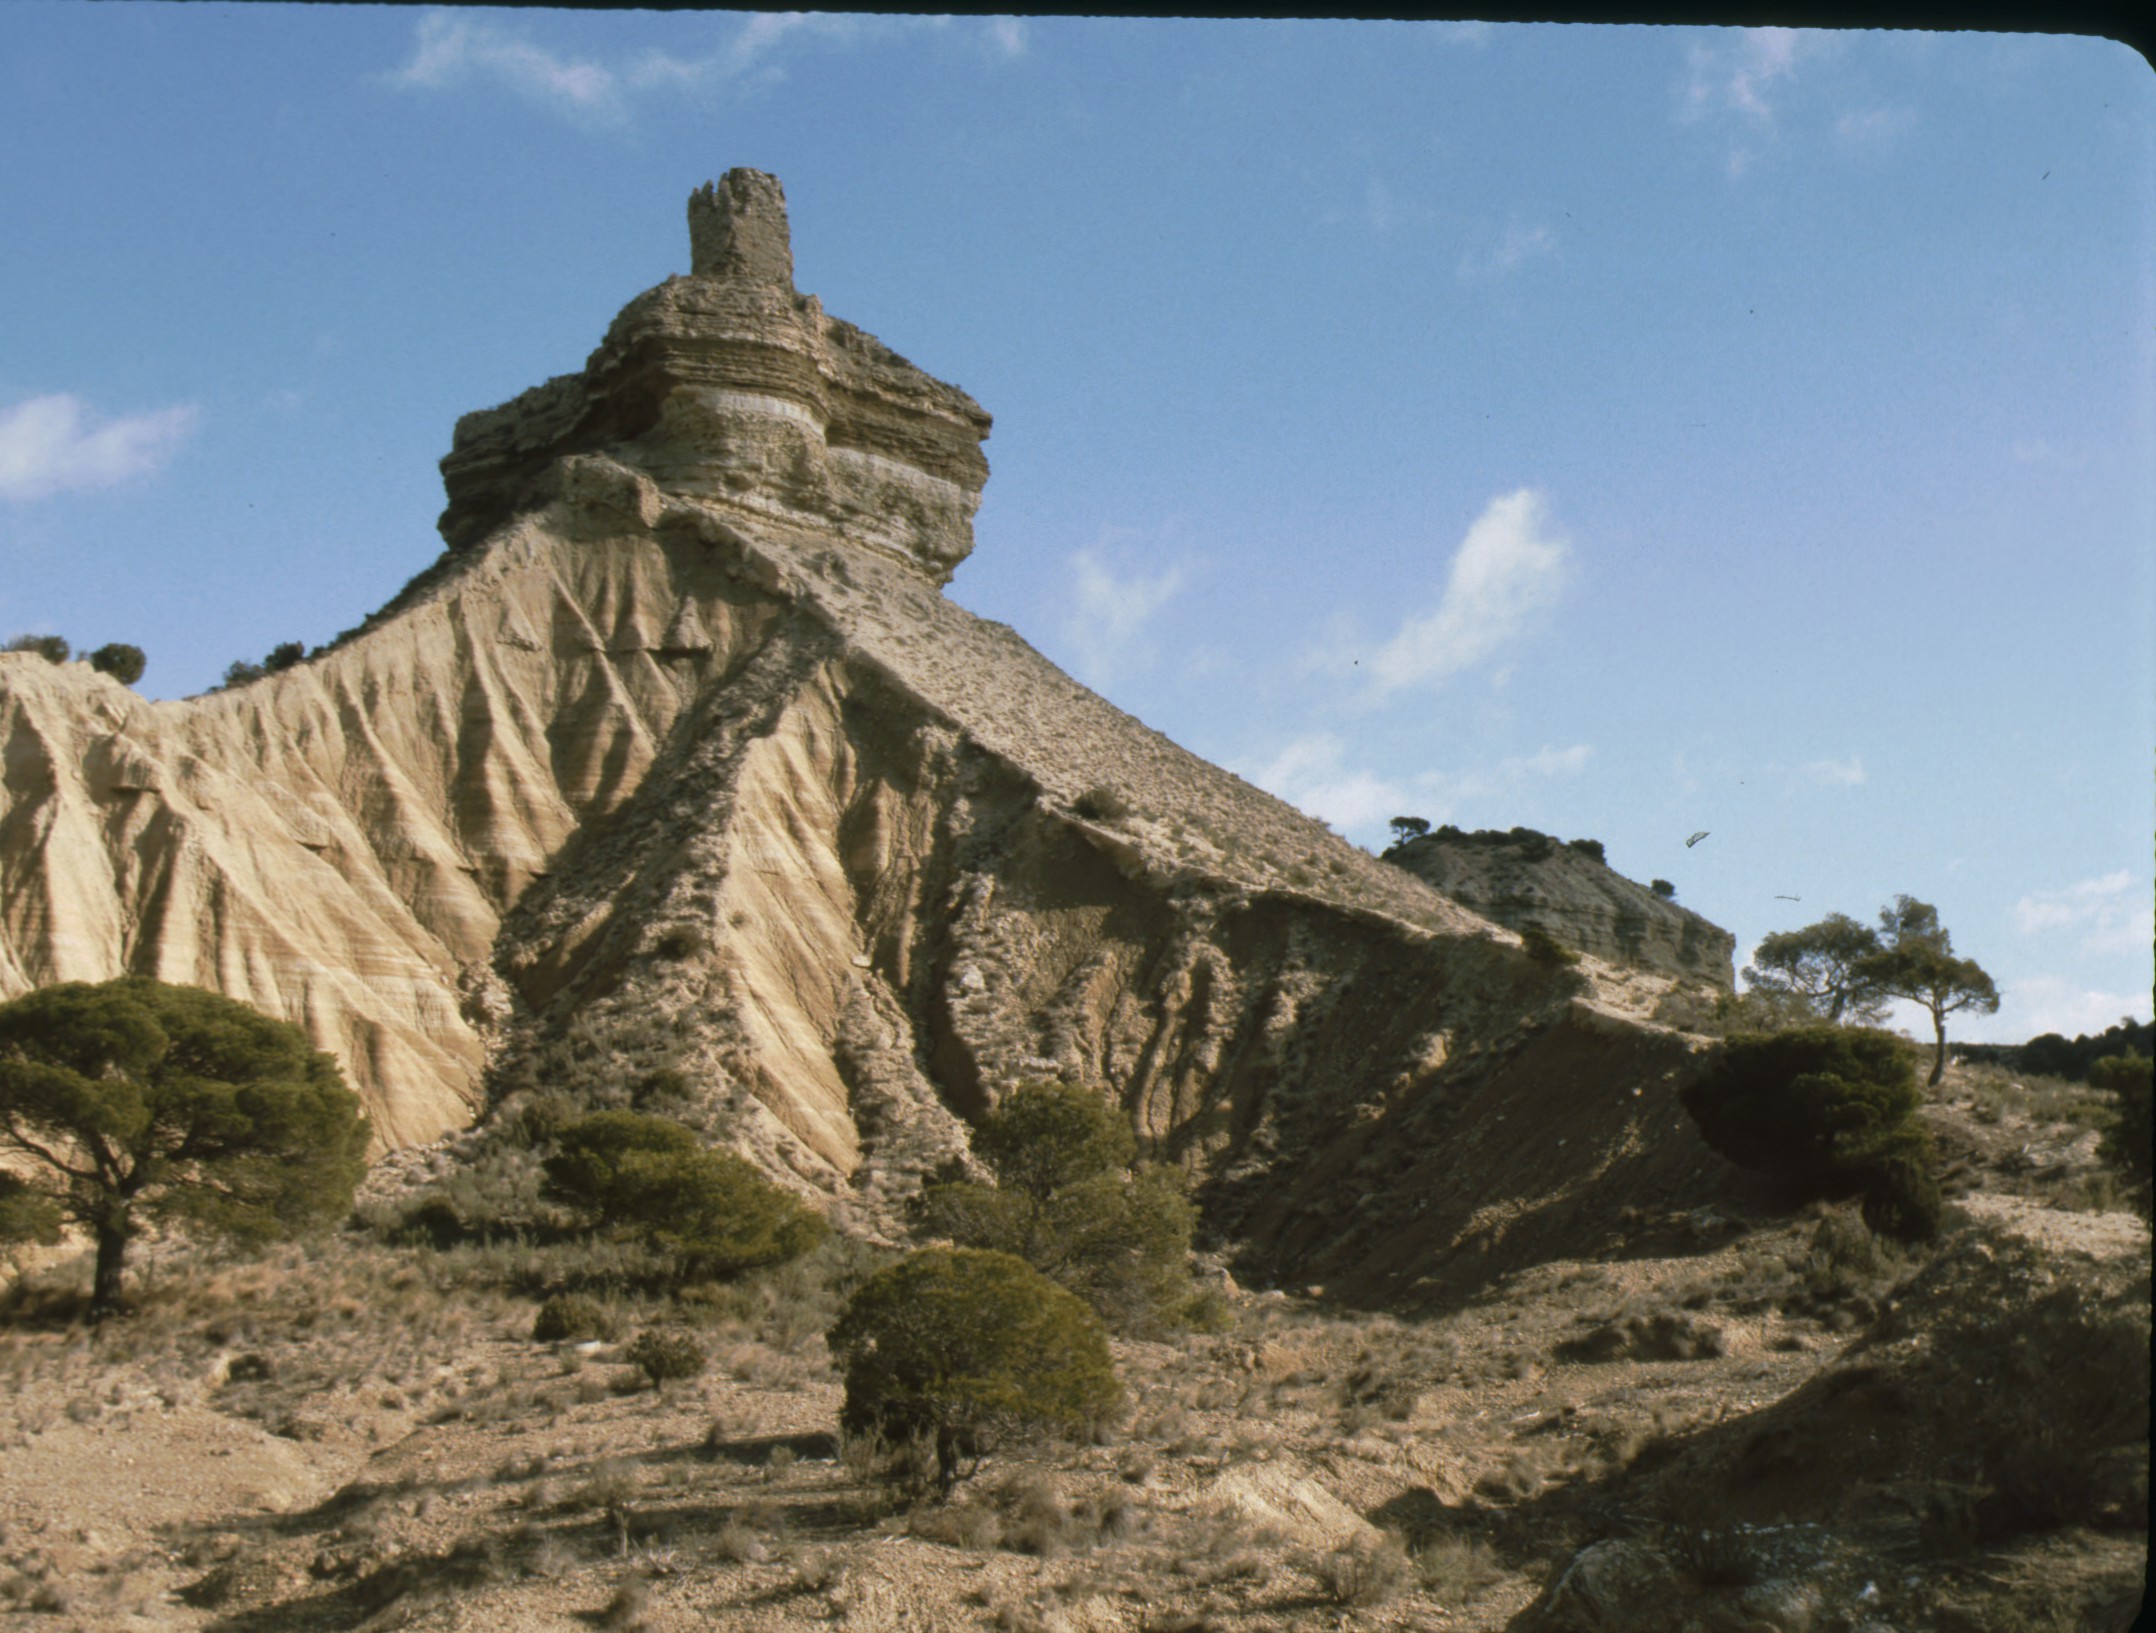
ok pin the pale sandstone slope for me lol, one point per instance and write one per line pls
(680, 763)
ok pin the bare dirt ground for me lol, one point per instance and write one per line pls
(1746, 1420)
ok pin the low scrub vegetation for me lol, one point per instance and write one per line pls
(1072, 1201)
(954, 1350)
(1826, 1111)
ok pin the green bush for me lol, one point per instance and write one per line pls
(1828, 1111)
(122, 662)
(1589, 847)
(665, 1356)
(52, 648)
(649, 1178)
(956, 1348)
(1069, 1203)
(27, 1214)
(1664, 889)
(134, 1102)
(1901, 1191)
(2129, 1076)
(1545, 949)
(1101, 804)
(572, 1316)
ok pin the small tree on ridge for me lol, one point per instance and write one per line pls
(1916, 961)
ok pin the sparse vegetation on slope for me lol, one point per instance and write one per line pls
(1068, 1200)
(1827, 1111)
(956, 1349)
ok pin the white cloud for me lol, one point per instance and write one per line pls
(2111, 914)
(1111, 609)
(1869, 130)
(52, 444)
(2032, 1006)
(1511, 249)
(1509, 568)
(1312, 774)
(1847, 773)
(452, 49)
(1309, 775)
(2038, 451)
(1739, 71)
(449, 50)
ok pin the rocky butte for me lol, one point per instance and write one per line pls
(678, 766)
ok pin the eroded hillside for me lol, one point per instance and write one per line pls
(680, 763)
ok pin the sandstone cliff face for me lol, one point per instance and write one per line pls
(680, 763)
(1521, 878)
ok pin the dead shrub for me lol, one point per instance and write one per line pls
(1455, 1570)
(1361, 1575)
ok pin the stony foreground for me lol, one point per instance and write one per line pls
(1744, 1420)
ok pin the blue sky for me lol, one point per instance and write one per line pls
(1620, 431)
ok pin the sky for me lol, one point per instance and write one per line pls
(1618, 431)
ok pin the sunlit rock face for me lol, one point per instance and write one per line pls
(678, 767)
(1523, 879)
(729, 384)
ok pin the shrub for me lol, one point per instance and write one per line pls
(27, 1214)
(1068, 1202)
(1827, 1111)
(122, 662)
(1901, 1191)
(1664, 889)
(648, 1178)
(1545, 949)
(665, 1356)
(1588, 847)
(1366, 1574)
(2129, 1077)
(1101, 804)
(954, 1348)
(239, 672)
(52, 648)
(572, 1315)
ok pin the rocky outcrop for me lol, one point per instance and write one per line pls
(678, 770)
(729, 384)
(1524, 879)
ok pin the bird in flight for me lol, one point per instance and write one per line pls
(1789, 898)
(1695, 839)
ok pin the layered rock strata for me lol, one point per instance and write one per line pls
(679, 769)
(1524, 879)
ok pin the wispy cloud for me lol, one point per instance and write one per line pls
(1510, 568)
(1313, 774)
(1506, 251)
(1872, 130)
(2111, 913)
(1110, 610)
(54, 444)
(2036, 1004)
(1847, 773)
(452, 49)
(2038, 451)
(1739, 72)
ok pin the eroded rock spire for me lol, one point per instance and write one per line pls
(737, 229)
(732, 387)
